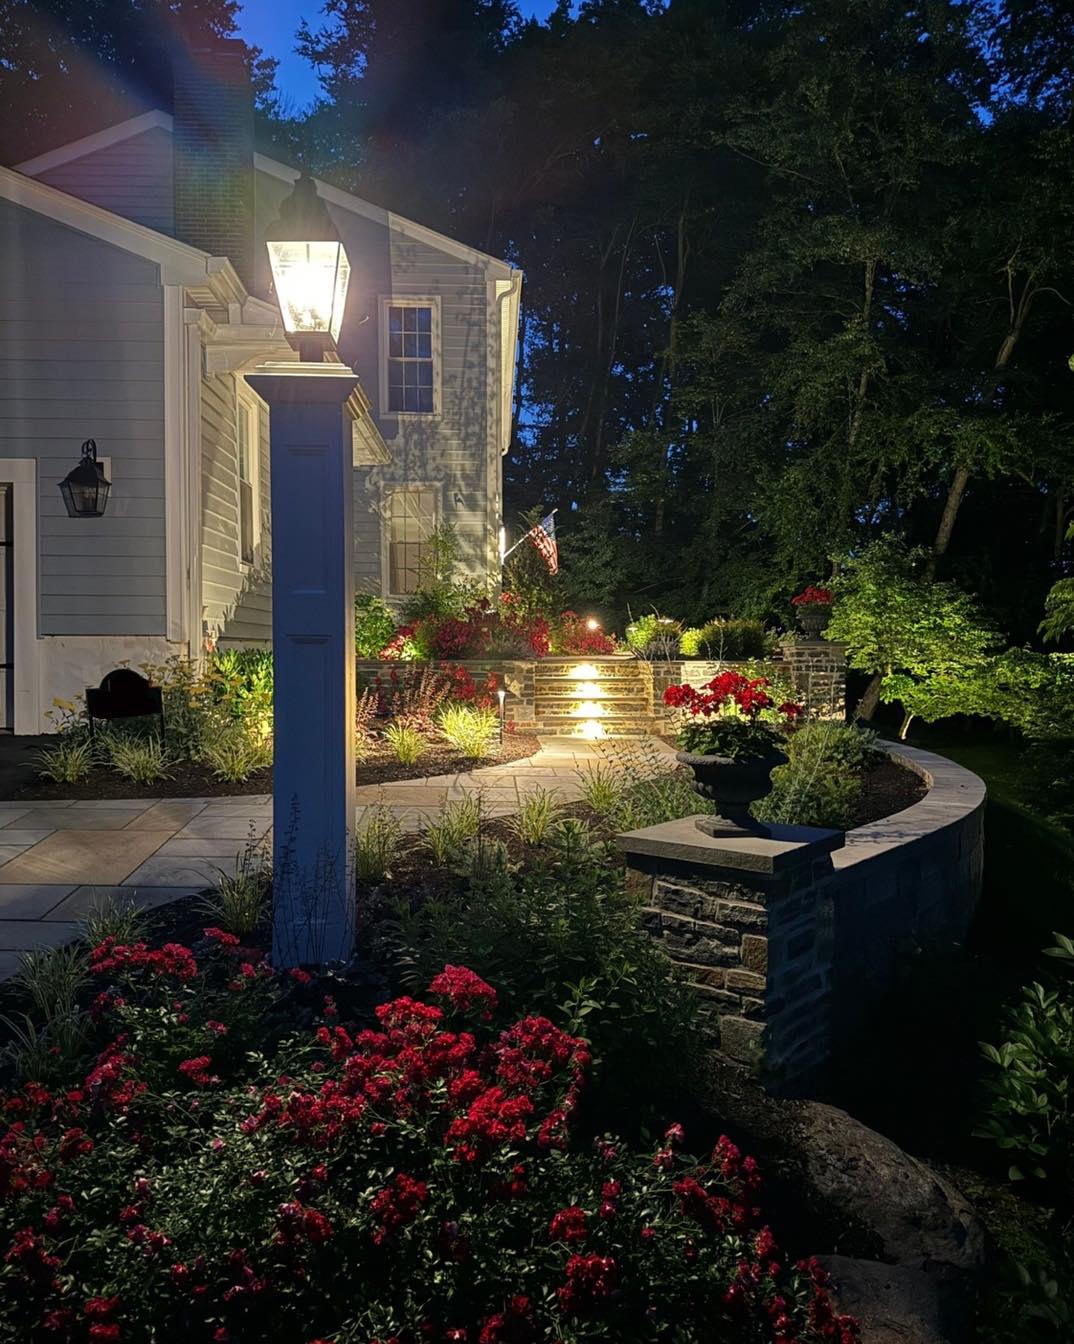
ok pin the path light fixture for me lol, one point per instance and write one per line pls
(85, 490)
(501, 695)
(592, 623)
(310, 271)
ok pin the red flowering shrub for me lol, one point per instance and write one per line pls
(405, 1181)
(811, 596)
(732, 716)
(573, 635)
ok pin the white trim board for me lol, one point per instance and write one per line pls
(21, 474)
(91, 144)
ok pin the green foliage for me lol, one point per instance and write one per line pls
(821, 785)
(731, 736)
(562, 937)
(534, 591)
(726, 640)
(68, 762)
(374, 625)
(635, 788)
(602, 788)
(241, 680)
(376, 844)
(109, 918)
(144, 760)
(450, 833)
(48, 1038)
(1030, 1081)
(927, 640)
(234, 755)
(654, 636)
(440, 592)
(538, 813)
(406, 740)
(469, 730)
(237, 901)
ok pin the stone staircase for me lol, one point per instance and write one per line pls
(594, 697)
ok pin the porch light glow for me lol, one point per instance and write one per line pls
(592, 623)
(310, 270)
(85, 490)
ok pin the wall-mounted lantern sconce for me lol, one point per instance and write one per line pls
(85, 490)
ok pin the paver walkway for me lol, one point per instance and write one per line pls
(59, 859)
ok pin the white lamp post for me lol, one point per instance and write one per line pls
(312, 592)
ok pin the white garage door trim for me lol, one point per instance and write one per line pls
(21, 474)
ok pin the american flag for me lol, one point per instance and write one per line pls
(544, 538)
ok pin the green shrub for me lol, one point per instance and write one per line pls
(822, 783)
(538, 813)
(452, 830)
(376, 844)
(406, 741)
(469, 730)
(141, 759)
(107, 918)
(654, 636)
(1030, 1081)
(234, 756)
(241, 681)
(374, 625)
(729, 640)
(68, 762)
(648, 802)
(52, 1035)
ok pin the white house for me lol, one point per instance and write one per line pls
(135, 297)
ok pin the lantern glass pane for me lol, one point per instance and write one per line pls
(311, 285)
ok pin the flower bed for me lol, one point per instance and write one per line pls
(212, 1173)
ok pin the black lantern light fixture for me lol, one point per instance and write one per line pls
(85, 490)
(310, 271)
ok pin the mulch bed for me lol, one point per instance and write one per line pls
(191, 780)
(886, 789)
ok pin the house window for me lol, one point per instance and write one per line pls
(410, 341)
(249, 449)
(411, 521)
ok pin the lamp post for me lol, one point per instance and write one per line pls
(85, 489)
(312, 592)
(501, 695)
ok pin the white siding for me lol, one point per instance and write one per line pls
(132, 178)
(236, 600)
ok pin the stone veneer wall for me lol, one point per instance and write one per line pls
(788, 945)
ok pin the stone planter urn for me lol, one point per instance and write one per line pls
(732, 785)
(813, 618)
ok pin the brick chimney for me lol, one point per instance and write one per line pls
(213, 153)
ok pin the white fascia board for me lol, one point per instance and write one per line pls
(408, 227)
(509, 296)
(90, 144)
(179, 263)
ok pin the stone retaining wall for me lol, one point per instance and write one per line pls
(816, 667)
(789, 940)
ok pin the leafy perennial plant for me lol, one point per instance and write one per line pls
(411, 1181)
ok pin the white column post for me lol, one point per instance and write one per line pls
(313, 661)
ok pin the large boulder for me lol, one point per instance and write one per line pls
(897, 1304)
(909, 1247)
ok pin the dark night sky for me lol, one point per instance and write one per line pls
(271, 26)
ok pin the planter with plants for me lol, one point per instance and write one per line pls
(731, 742)
(813, 610)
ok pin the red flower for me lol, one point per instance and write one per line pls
(398, 1204)
(464, 990)
(812, 597)
(568, 1225)
(591, 1280)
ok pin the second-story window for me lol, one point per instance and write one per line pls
(410, 359)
